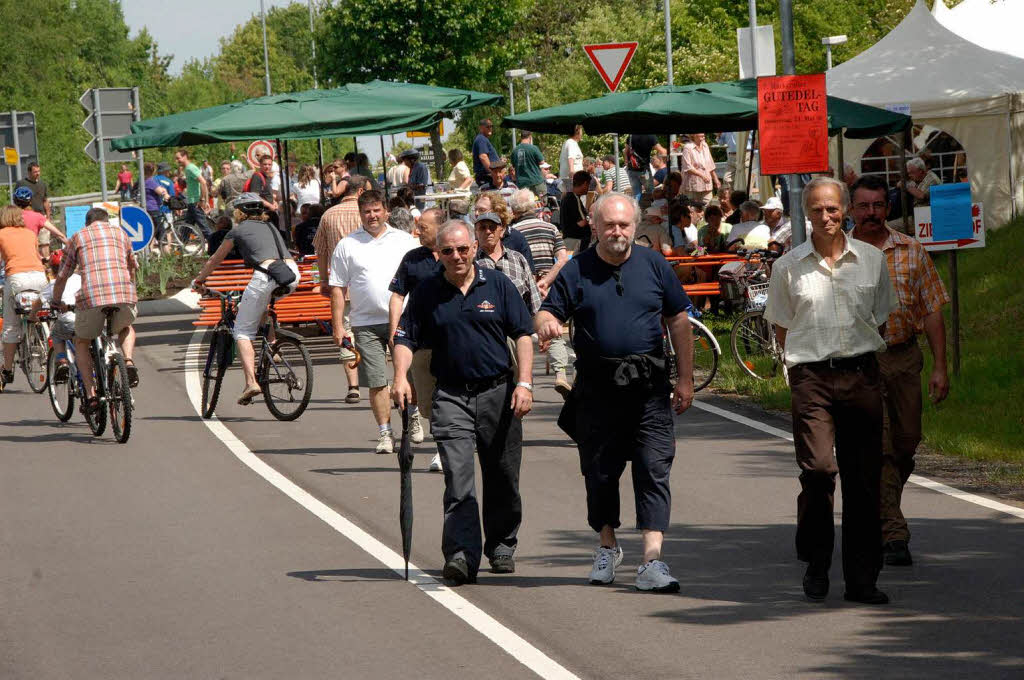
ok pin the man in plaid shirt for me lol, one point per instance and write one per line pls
(104, 257)
(921, 295)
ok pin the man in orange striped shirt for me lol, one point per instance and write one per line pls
(920, 295)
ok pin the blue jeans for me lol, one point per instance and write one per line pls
(195, 215)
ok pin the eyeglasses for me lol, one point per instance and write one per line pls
(488, 226)
(617, 275)
(874, 207)
(448, 251)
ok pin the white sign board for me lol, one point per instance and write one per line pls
(898, 108)
(764, 38)
(923, 231)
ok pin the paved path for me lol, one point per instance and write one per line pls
(168, 557)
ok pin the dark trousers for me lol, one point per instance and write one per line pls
(840, 406)
(900, 368)
(464, 421)
(195, 215)
(633, 427)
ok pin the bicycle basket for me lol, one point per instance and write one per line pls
(757, 295)
(25, 298)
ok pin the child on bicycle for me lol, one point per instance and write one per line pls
(62, 329)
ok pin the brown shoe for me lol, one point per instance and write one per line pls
(563, 386)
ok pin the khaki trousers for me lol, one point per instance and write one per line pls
(423, 380)
(900, 367)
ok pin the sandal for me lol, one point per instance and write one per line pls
(248, 395)
(133, 373)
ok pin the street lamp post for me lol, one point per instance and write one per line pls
(828, 43)
(266, 52)
(526, 79)
(512, 74)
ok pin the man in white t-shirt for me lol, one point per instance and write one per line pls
(362, 266)
(571, 158)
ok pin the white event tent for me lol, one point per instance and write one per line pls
(993, 24)
(950, 83)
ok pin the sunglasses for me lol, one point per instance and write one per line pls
(487, 226)
(617, 275)
(448, 251)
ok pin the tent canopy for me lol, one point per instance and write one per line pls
(724, 106)
(993, 24)
(375, 108)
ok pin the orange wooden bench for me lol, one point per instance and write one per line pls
(305, 305)
(704, 262)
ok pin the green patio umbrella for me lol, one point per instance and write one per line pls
(375, 108)
(724, 106)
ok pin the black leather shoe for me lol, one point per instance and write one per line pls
(816, 582)
(869, 595)
(897, 554)
(456, 571)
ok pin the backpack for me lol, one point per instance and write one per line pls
(248, 182)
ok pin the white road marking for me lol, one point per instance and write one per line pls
(914, 479)
(481, 621)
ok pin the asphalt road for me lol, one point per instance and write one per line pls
(169, 557)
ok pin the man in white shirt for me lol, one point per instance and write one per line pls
(829, 299)
(571, 158)
(362, 266)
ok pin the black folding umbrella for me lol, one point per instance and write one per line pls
(405, 497)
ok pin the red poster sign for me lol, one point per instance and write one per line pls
(792, 124)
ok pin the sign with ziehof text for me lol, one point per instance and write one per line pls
(925, 232)
(792, 124)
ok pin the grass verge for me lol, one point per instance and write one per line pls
(983, 417)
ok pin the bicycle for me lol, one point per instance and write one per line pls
(65, 386)
(284, 371)
(752, 340)
(181, 238)
(113, 388)
(706, 354)
(35, 338)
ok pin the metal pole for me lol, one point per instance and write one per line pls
(266, 52)
(528, 108)
(796, 182)
(320, 168)
(749, 156)
(954, 279)
(752, 13)
(384, 166)
(828, 57)
(316, 86)
(668, 65)
(904, 179)
(840, 157)
(512, 108)
(616, 161)
(137, 115)
(99, 143)
(284, 207)
(17, 148)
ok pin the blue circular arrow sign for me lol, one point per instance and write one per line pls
(138, 225)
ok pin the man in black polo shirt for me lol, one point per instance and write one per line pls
(619, 409)
(464, 314)
(418, 265)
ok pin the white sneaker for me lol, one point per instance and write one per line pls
(605, 561)
(654, 577)
(416, 430)
(385, 442)
(435, 463)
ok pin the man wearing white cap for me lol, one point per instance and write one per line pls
(781, 230)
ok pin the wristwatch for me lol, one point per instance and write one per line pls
(525, 385)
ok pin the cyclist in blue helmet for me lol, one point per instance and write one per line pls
(37, 223)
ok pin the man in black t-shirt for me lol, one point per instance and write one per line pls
(40, 192)
(640, 147)
(619, 409)
(573, 218)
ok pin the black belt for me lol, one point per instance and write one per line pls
(900, 346)
(475, 386)
(856, 363)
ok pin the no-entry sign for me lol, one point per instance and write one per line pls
(611, 60)
(792, 124)
(259, 148)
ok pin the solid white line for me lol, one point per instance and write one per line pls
(914, 479)
(481, 621)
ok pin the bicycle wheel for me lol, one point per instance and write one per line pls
(96, 420)
(62, 394)
(286, 376)
(33, 360)
(190, 238)
(705, 357)
(119, 399)
(754, 346)
(217, 360)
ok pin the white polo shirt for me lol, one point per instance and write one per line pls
(366, 265)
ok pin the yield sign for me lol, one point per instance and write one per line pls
(611, 60)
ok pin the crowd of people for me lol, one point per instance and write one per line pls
(458, 293)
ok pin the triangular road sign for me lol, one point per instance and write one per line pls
(611, 60)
